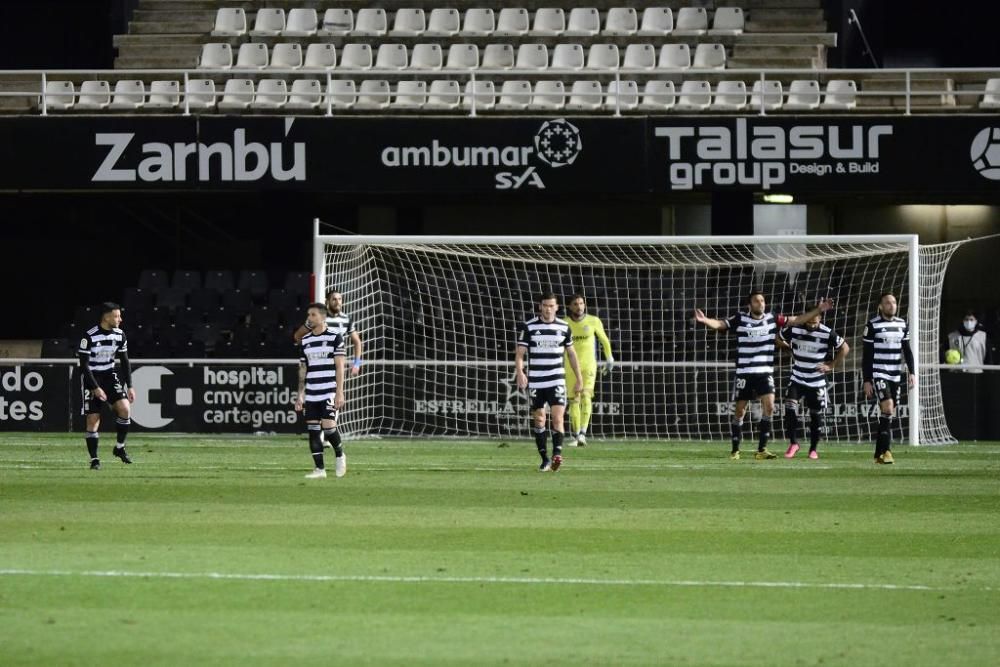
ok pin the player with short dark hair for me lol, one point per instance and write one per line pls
(587, 330)
(886, 345)
(321, 389)
(544, 340)
(100, 383)
(755, 331)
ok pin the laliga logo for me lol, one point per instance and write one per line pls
(985, 153)
(147, 411)
(558, 143)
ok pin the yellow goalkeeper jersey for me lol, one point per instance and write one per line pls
(585, 334)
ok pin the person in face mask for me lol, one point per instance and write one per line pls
(972, 342)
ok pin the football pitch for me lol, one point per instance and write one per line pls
(218, 551)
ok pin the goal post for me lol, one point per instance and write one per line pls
(437, 315)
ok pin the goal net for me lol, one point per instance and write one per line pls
(438, 315)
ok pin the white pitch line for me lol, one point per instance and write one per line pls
(420, 579)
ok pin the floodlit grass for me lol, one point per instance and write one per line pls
(216, 550)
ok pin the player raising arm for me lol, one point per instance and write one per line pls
(339, 322)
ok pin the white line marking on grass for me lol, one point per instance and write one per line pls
(419, 579)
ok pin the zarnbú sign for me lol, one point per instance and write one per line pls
(631, 155)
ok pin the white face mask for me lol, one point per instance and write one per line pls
(970, 325)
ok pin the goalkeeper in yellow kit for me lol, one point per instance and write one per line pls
(585, 329)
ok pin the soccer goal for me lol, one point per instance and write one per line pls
(438, 315)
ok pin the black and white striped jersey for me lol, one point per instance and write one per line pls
(341, 323)
(755, 342)
(101, 346)
(884, 340)
(810, 348)
(318, 353)
(546, 343)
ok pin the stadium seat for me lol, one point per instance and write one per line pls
(216, 56)
(730, 96)
(86, 316)
(803, 95)
(991, 96)
(568, 56)
(301, 23)
(208, 335)
(603, 57)
(727, 21)
(498, 56)
(220, 280)
(583, 22)
(93, 95)
(252, 56)
(373, 94)
(532, 57)
(769, 92)
(230, 22)
(200, 94)
(483, 93)
(585, 96)
(841, 94)
(271, 94)
(237, 94)
(59, 95)
(512, 22)
(237, 301)
(443, 22)
(549, 22)
(694, 96)
(204, 299)
(58, 348)
(254, 282)
(410, 95)
(136, 298)
(548, 96)
(171, 298)
(129, 94)
(370, 22)
(269, 23)
(443, 95)
(356, 56)
(479, 22)
(658, 95)
(286, 56)
(324, 56)
(305, 94)
(675, 56)
(299, 284)
(391, 56)
(463, 56)
(656, 22)
(709, 56)
(186, 279)
(514, 96)
(342, 94)
(639, 56)
(337, 22)
(626, 100)
(691, 22)
(164, 95)
(427, 57)
(408, 23)
(621, 22)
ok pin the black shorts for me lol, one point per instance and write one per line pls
(887, 390)
(814, 397)
(319, 410)
(549, 395)
(749, 387)
(112, 386)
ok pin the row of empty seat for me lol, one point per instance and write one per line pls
(545, 95)
(534, 57)
(509, 21)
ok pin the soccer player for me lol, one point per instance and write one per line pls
(755, 330)
(339, 322)
(585, 329)
(100, 384)
(812, 344)
(321, 389)
(545, 340)
(886, 344)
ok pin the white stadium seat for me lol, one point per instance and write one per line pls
(356, 56)
(301, 23)
(623, 95)
(408, 23)
(640, 56)
(427, 56)
(479, 22)
(841, 94)
(373, 94)
(730, 96)
(443, 95)
(498, 56)
(443, 23)
(230, 22)
(549, 22)
(585, 96)
(336, 23)
(656, 22)
(583, 22)
(991, 96)
(568, 56)
(675, 56)
(238, 94)
(286, 56)
(727, 21)
(252, 56)
(462, 56)
(658, 95)
(512, 22)
(391, 56)
(482, 93)
(410, 95)
(271, 94)
(694, 96)
(691, 22)
(803, 95)
(769, 93)
(321, 56)
(532, 57)
(216, 56)
(129, 94)
(305, 94)
(621, 21)
(342, 94)
(603, 56)
(514, 95)
(200, 94)
(164, 95)
(94, 95)
(370, 22)
(269, 23)
(548, 96)
(709, 56)
(59, 95)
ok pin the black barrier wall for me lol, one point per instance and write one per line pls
(505, 155)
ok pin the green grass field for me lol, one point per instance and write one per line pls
(427, 552)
